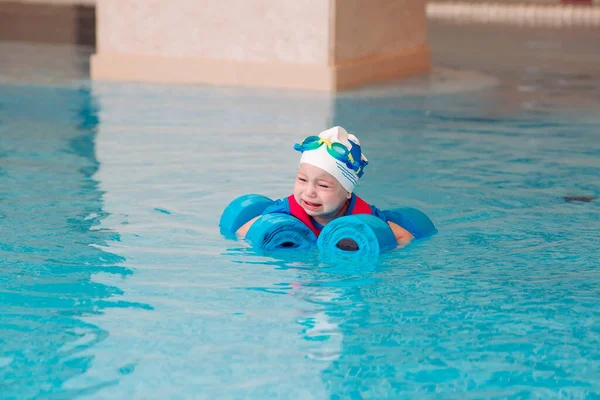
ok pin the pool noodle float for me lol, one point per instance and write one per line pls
(240, 211)
(413, 220)
(362, 234)
(280, 231)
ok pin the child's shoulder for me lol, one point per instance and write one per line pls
(364, 206)
(378, 213)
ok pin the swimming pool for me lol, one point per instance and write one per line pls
(116, 283)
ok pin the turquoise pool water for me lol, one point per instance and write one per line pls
(115, 282)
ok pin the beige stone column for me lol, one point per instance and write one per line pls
(308, 44)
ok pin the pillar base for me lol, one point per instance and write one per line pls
(130, 67)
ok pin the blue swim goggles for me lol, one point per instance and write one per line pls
(352, 158)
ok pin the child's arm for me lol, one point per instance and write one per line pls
(402, 235)
(244, 228)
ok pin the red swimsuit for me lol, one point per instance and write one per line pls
(360, 207)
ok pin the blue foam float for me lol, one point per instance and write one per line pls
(362, 234)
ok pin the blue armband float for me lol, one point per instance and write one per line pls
(365, 235)
(413, 220)
(240, 211)
(362, 235)
(269, 232)
(280, 231)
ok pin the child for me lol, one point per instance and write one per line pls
(330, 167)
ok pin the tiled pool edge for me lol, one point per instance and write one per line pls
(533, 15)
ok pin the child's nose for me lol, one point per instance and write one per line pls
(311, 190)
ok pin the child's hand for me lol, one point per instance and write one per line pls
(244, 228)
(402, 235)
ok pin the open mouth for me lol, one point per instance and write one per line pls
(311, 206)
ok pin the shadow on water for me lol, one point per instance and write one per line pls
(50, 243)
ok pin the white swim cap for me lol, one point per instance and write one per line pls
(345, 163)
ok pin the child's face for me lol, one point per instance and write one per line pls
(318, 192)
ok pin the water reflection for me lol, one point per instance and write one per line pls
(49, 243)
(328, 294)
